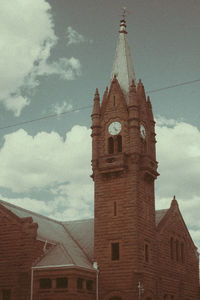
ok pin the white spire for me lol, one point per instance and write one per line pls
(123, 66)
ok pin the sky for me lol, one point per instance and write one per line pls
(53, 55)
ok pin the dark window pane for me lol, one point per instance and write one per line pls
(45, 283)
(146, 252)
(115, 208)
(89, 285)
(172, 248)
(79, 283)
(182, 252)
(177, 250)
(61, 282)
(110, 145)
(115, 251)
(119, 143)
(6, 294)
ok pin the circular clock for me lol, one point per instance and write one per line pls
(142, 131)
(114, 128)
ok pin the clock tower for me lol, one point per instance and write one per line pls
(124, 169)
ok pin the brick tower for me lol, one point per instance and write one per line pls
(124, 169)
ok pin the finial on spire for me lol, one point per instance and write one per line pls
(123, 21)
(174, 202)
(96, 106)
(125, 12)
(96, 92)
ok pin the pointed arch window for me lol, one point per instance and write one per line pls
(177, 250)
(119, 143)
(146, 252)
(115, 251)
(110, 145)
(172, 248)
(115, 208)
(182, 252)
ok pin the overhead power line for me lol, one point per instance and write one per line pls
(46, 117)
(173, 86)
(90, 106)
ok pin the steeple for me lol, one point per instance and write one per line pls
(123, 66)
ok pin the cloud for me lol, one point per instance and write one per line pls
(38, 206)
(66, 68)
(75, 200)
(178, 154)
(46, 160)
(178, 151)
(73, 37)
(61, 108)
(25, 48)
(28, 162)
(16, 104)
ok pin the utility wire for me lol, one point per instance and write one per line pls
(46, 117)
(173, 86)
(90, 106)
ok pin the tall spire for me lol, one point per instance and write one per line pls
(123, 66)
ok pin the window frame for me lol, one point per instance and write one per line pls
(45, 287)
(59, 285)
(115, 251)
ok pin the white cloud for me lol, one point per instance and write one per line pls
(16, 104)
(73, 37)
(178, 154)
(61, 108)
(38, 206)
(66, 68)
(27, 37)
(178, 151)
(28, 162)
(49, 161)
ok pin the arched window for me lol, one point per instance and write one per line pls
(172, 248)
(146, 253)
(177, 250)
(115, 208)
(119, 143)
(110, 145)
(182, 252)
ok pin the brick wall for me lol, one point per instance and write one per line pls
(71, 291)
(18, 249)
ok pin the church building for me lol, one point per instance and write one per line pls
(129, 251)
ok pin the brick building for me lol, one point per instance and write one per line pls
(129, 251)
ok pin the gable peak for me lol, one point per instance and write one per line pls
(174, 202)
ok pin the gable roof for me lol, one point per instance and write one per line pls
(160, 214)
(72, 240)
(174, 210)
(76, 252)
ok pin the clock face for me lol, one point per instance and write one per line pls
(142, 131)
(114, 128)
